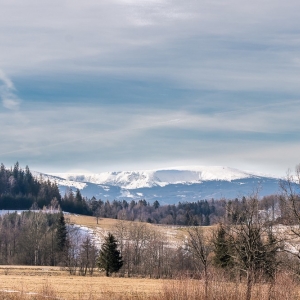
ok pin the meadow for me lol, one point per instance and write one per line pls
(57, 283)
(37, 283)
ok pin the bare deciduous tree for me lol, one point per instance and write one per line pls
(201, 247)
(290, 210)
(253, 242)
(88, 256)
(72, 252)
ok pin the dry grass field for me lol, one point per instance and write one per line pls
(35, 279)
(38, 283)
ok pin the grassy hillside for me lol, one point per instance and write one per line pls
(174, 233)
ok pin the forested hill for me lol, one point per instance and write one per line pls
(20, 190)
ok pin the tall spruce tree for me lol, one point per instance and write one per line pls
(110, 258)
(61, 233)
(222, 249)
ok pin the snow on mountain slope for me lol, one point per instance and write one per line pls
(60, 181)
(150, 178)
(166, 185)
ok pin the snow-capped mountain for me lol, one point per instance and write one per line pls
(167, 185)
(150, 178)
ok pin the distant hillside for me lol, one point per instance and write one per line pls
(167, 185)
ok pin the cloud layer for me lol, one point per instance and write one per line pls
(139, 84)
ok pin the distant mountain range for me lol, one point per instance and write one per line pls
(167, 185)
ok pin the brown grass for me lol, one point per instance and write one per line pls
(91, 222)
(54, 283)
(109, 224)
(218, 289)
(35, 279)
(174, 233)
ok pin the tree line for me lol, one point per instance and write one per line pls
(32, 238)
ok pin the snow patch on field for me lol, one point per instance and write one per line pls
(97, 235)
(20, 211)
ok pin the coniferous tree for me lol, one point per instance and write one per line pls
(61, 233)
(270, 261)
(156, 204)
(222, 249)
(110, 258)
(78, 196)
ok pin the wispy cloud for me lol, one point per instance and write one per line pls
(7, 93)
(105, 138)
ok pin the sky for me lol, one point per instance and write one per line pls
(93, 86)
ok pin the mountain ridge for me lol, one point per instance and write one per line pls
(169, 185)
(159, 177)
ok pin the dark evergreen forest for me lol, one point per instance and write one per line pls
(20, 190)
